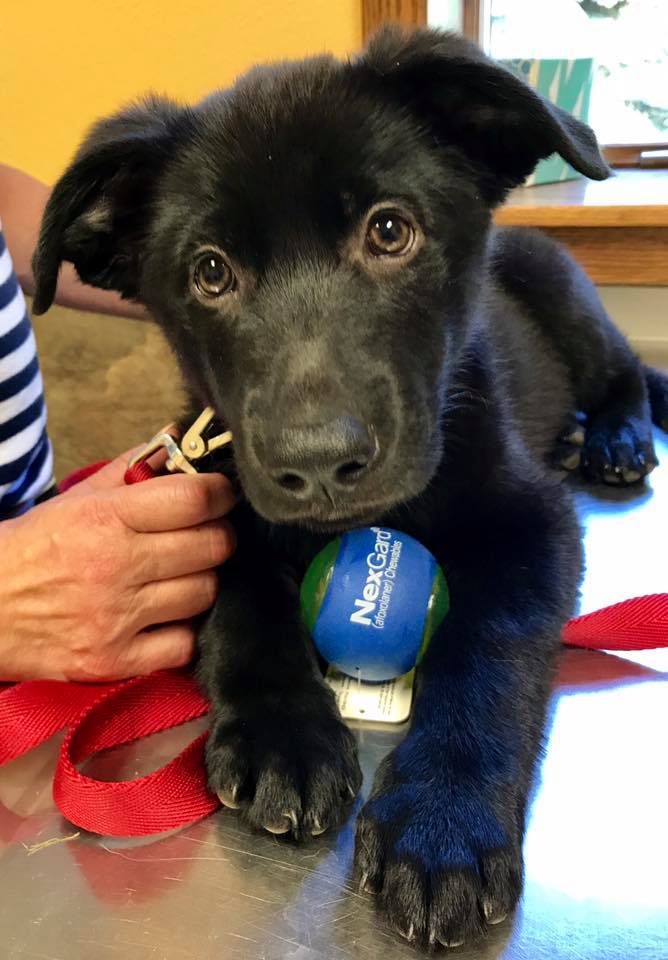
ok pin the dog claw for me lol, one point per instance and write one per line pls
(317, 828)
(613, 477)
(229, 798)
(572, 461)
(279, 828)
(648, 465)
(365, 885)
(576, 437)
(292, 817)
(408, 934)
(490, 914)
(434, 939)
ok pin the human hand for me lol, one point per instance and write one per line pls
(101, 582)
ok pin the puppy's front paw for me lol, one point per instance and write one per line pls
(287, 762)
(441, 864)
(617, 452)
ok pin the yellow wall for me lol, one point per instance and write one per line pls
(64, 64)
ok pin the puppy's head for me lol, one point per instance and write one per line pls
(309, 241)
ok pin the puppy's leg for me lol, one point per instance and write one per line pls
(611, 388)
(607, 381)
(278, 749)
(440, 838)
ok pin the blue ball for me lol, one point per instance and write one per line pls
(372, 600)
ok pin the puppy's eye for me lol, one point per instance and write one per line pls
(212, 275)
(389, 234)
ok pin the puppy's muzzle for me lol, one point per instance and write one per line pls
(329, 459)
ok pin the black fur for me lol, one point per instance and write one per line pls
(430, 394)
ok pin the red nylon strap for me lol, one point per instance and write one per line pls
(640, 623)
(106, 715)
(138, 472)
(172, 796)
(32, 712)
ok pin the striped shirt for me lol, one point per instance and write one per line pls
(26, 459)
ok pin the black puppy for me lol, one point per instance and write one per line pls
(316, 244)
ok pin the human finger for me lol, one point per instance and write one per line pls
(173, 502)
(177, 599)
(167, 647)
(177, 553)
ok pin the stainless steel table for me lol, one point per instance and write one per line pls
(596, 849)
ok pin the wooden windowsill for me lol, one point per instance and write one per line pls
(630, 198)
(617, 229)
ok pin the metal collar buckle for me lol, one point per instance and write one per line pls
(194, 444)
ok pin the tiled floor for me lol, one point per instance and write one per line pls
(596, 849)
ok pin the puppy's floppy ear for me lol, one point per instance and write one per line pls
(473, 103)
(100, 209)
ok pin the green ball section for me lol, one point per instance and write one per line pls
(439, 604)
(316, 582)
(319, 576)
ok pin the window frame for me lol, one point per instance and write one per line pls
(411, 13)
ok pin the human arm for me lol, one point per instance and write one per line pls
(22, 202)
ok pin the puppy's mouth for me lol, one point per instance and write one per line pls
(336, 521)
(339, 524)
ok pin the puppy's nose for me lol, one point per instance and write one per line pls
(333, 455)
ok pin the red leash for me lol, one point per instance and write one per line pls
(100, 716)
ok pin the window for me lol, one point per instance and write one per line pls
(628, 40)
